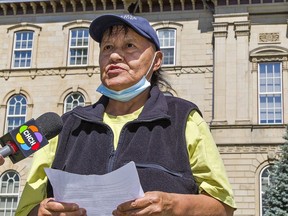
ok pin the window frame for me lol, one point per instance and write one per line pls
(65, 109)
(270, 93)
(261, 191)
(80, 47)
(27, 51)
(11, 34)
(163, 48)
(66, 31)
(14, 116)
(268, 53)
(178, 28)
(12, 194)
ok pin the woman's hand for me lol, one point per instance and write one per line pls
(153, 203)
(2, 160)
(172, 204)
(49, 207)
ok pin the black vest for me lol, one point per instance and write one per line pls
(155, 142)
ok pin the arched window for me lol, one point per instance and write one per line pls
(9, 193)
(73, 100)
(16, 112)
(264, 183)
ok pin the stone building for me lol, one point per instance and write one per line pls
(227, 56)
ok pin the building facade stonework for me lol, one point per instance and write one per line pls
(219, 51)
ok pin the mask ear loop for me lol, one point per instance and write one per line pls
(148, 71)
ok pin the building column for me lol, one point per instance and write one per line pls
(219, 93)
(242, 33)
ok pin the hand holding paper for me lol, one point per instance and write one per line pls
(98, 194)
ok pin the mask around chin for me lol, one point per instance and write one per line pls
(125, 94)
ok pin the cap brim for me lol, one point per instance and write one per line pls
(102, 23)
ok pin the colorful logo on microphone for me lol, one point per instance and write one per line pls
(29, 137)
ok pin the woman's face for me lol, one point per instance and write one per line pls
(125, 58)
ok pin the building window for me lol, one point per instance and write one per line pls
(270, 92)
(167, 39)
(9, 193)
(22, 53)
(264, 183)
(16, 112)
(73, 100)
(78, 46)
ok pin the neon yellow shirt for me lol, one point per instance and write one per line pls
(205, 161)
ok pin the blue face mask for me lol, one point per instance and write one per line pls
(125, 94)
(128, 93)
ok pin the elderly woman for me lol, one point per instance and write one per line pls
(178, 163)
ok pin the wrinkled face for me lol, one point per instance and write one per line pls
(125, 58)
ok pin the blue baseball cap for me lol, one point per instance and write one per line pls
(138, 24)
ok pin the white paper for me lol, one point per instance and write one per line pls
(98, 194)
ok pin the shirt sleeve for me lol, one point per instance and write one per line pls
(205, 161)
(35, 188)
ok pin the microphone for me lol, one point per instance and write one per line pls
(28, 138)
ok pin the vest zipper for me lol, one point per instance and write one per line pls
(111, 161)
(113, 154)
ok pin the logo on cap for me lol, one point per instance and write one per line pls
(128, 17)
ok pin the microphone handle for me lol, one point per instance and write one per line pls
(6, 151)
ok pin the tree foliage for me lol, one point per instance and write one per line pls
(276, 195)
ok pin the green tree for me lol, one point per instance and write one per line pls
(276, 195)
